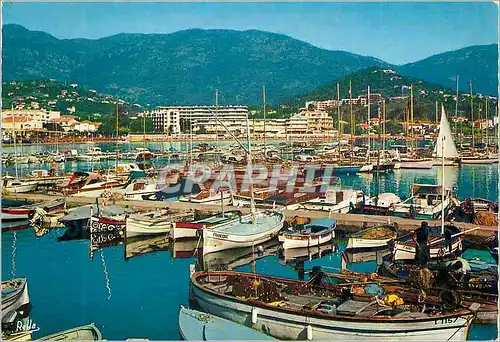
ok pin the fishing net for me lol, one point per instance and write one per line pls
(421, 278)
(261, 289)
(378, 233)
(485, 218)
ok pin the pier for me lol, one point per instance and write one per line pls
(346, 222)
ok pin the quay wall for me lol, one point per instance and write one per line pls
(347, 222)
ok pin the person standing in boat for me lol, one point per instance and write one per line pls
(421, 239)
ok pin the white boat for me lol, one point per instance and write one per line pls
(366, 168)
(132, 155)
(91, 184)
(154, 222)
(209, 196)
(93, 154)
(193, 229)
(15, 299)
(315, 233)
(87, 332)
(278, 307)
(382, 204)
(404, 247)
(373, 237)
(417, 164)
(12, 185)
(245, 231)
(336, 201)
(139, 187)
(424, 203)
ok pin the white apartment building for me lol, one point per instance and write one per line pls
(175, 119)
(360, 100)
(304, 122)
(40, 116)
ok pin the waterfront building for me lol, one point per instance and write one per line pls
(177, 119)
(40, 116)
(304, 122)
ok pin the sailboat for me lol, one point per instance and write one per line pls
(244, 231)
(15, 185)
(445, 146)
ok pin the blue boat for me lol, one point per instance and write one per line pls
(200, 326)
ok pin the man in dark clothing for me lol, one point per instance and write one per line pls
(447, 239)
(421, 238)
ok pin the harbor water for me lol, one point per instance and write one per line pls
(139, 297)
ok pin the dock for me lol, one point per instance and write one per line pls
(346, 222)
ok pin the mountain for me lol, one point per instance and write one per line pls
(478, 64)
(184, 67)
(395, 88)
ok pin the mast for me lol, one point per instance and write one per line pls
(264, 111)
(378, 155)
(116, 145)
(338, 117)
(436, 113)
(144, 130)
(15, 148)
(487, 113)
(456, 107)
(352, 121)
(250, 168)
(383, 123)
(442, 185)
(411, 121)
(472, 117)
(217, 144)
(369, 143)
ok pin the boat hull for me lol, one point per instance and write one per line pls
(136, 228)
(407, 252)
(218, 239)
(294, 241)
(354, 243)
(292, 326)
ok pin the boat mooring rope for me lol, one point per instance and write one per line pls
(106, 274)
(13, 270)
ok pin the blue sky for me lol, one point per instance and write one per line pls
(395, 32)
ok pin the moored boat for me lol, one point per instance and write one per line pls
(25, 212)
(373, 237)
(154, 222)
(314, 233)
(12, 185)
(382, 204)
(336, 201)
(193, 229)
(299, 310)
(243, 231)
(425, 202)
(87, 332)
(200, 326)
(15, 300)
(404, 247)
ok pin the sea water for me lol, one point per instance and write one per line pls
(140, 297)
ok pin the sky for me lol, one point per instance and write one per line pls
(394, 32)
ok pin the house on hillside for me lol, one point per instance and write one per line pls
(66, 122)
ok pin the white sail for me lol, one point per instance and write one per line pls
(450, 150)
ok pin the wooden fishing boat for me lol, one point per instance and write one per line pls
(193, 229)
(244, 231)
(15, 300)
(200, 326)
(404, 247)
(87, 332)
(154, 222)
(291, 256)
(12, 185)
(207, 196)
(25, 212)
(373, 237)
(299, 310)
(468, 209)
(315, 233)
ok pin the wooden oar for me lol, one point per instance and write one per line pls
(455, 235)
